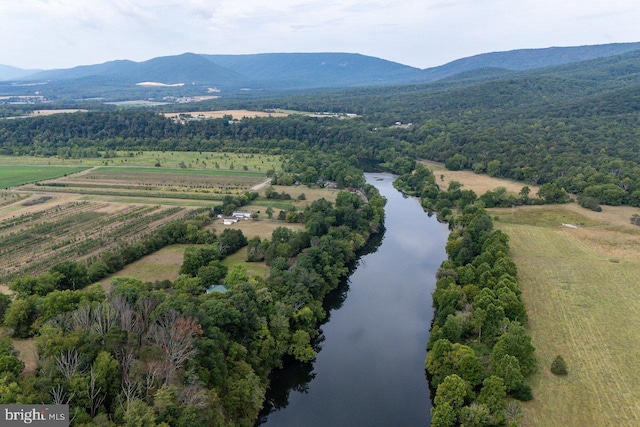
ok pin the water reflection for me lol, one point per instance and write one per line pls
(370, 364)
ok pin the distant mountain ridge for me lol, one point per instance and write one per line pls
(7, 72)
(296, 71)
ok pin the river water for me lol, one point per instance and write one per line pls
(370, 368)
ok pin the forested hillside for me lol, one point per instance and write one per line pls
(573, 125)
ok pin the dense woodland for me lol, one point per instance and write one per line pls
(170, 353)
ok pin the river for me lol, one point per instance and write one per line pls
(370, 368)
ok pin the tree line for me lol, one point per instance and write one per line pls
(479, 351)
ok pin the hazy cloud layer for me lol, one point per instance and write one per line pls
(421, 33)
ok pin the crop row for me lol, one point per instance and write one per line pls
(217, 194)
(81, 234)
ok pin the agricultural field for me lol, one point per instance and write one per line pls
(14, 175)
(160, 265)
(80, 207)
(167, 159)
(154, 182)
(36, 237)
(100, 206)
(578, 273)
(167, 175)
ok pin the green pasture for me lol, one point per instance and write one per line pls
(253, 268)
(13, 175)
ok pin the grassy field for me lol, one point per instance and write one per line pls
(14, 175)
(579, 286)
(479, 183)
(160, 265)
(578, 273)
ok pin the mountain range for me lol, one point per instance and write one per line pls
(199, 73)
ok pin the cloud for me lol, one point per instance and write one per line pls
(63, 33)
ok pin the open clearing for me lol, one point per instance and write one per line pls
(479, 183)
(579, 287)
(236, 114)
(161, 265)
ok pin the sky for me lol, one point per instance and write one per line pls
(47, 34)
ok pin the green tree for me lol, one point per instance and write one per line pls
(559, 366)
(508, 368)
(73, 275)
(454, 392)
(301, 346)
(20, 316)
(443, 415)
(516, 342)
(492, 395)
(139, 414)
(238, 274)
(189, 285)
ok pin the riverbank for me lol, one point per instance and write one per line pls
(370, 367)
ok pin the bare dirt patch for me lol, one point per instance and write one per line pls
(28, 353)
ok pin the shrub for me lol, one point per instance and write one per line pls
(559, 366)
(522, 392)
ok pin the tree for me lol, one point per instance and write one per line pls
(20, 316)
(551, 193)
(492, 395)
(238, 274)
(189, 285)
(493, 168)
(301, 346)
(456, 162)
(453, 392)
(443, 416)
(524, 194)
(269, 212)
(213, 273)
(559, 366)
(508, 368)
(73, 275)
(516, 342)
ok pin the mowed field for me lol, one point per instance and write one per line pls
(479, 183)
(578, 271)
(13, 175)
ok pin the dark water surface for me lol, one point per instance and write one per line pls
(370, 368)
